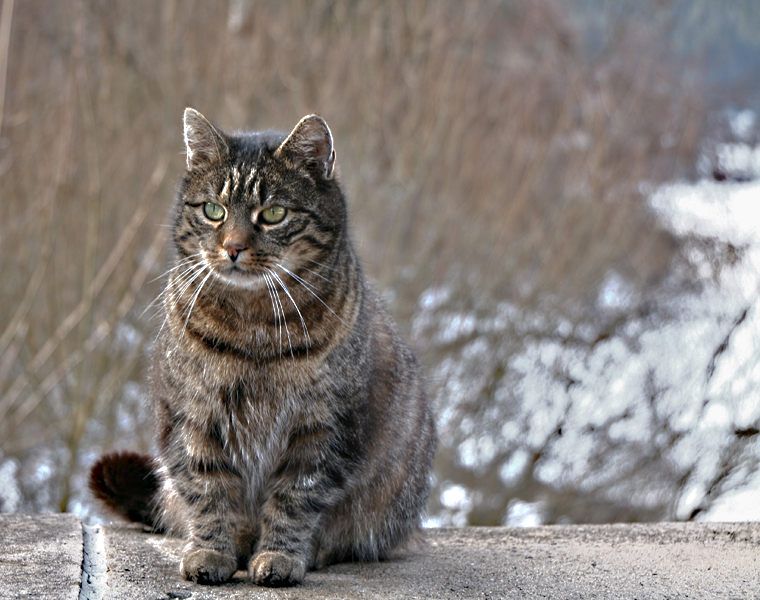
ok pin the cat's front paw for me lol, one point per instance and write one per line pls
(202, 565)
(276, 569)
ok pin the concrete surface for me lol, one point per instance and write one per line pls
(40, 556)
(663, 560)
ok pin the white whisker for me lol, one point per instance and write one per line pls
(310, 271)
(282, 312)
(324, 265)
(163, 293)
(300, 316)
(172, 296)
(275, 310)
(306, 285)
(187, 282)
(317, 275)
(195, 297)
(179, 265)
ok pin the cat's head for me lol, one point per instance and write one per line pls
(254, 206)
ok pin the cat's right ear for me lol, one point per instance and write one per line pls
(205, 144)
(310, 144)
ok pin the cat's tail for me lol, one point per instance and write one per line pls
(127, 484)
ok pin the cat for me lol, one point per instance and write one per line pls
(293, 429)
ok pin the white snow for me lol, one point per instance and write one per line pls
(10, 493)
(677, 390)
(524, 514)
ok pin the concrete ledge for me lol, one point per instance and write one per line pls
(40, 556)
(663, 560)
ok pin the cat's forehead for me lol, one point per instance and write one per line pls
(237, 177)
(258, 146)
(250, 159)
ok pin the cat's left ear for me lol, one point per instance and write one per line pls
(205, 144)
(310, 144)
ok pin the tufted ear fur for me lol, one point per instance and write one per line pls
(310, 144)
(205, 144)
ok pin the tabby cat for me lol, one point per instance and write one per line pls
(293, 429)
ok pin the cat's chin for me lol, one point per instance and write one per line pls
(241, 279)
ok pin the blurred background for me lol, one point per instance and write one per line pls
(557, 200)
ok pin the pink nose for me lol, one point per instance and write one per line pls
(233, 246)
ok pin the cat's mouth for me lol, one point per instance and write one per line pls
(239, 276)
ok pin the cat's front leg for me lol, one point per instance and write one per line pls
(210, 496)
(206, 565)
(290, 519)
(211, 555)
(277, 569)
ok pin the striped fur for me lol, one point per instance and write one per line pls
(293, 429)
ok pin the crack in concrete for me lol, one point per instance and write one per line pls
(94, 582)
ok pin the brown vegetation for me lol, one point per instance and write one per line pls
(480, 145)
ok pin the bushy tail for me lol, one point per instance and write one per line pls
(126, 483)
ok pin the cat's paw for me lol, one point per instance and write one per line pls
(202, 565)
(276, 569)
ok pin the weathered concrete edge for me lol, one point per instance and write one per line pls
(655, 560)
(675, 559)
(94, 565)
(41, 556)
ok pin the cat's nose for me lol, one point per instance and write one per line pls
(233, 246)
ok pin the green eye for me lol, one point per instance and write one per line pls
(273, 214)
(213, 211)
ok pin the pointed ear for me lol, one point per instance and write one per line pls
(205, 144)
(310, 144)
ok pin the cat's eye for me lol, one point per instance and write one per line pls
(215, 212)
(273, 214)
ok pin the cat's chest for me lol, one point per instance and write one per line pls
(255, 435)
(249, 407)
(244, 425)
(219, 374)
(246, 410)
(236, 325)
